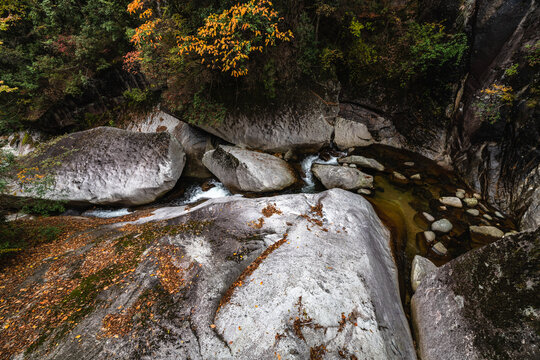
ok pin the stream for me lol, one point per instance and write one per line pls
(399, 203)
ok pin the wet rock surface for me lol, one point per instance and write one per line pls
(482, 305)
(362, 162)
(245, 170)
(342, 177)
(108, 166)
(240, 279)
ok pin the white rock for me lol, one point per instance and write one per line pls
(451, 201)
(460, 194)
(439, 249)
(490, 231)
(499, 215)
(351, 134)
(332, 176)
(353, 166)
(473, 212)
(408, 163)
(430, 236)
(364, 192)
(488, 217)
(246, 170)
(477, 196)
(428, 216)
(470, 202)
(442, 225)
(399, 176)
(416, 177)
(362, 162)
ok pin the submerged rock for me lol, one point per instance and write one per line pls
(249, 279)
(363, 162)
(473, 212)
(470, 202)
(416, 177)
(420, 268)
(342, 177)
(349, 134)
(482, 305)
(109, 166)
(246, 170)
(428, 216)
(430, 236)
(398, 176)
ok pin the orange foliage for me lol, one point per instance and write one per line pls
(226, 40)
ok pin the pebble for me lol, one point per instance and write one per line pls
(443, 226)
(352, 165)
(416, 177)
(409, 163)
(470, 202)
(443, 208)
(483, 207)
(499, 215)
(430, 236)
(488, 217)
(428, 217)
(345, 164)
(440, 249)
(477, 196)
(399, 176)
(451, 201)
(490, 231)
(364, 191)
(473, 212)
(513, 232)
(460, 194)
(350, 150)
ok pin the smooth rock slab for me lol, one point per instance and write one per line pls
(362, 162)
(245, 170)
(482, 305)
(109, 166)
(313, 261)
(342, 177)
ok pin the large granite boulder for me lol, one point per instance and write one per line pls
(343, 177)
(245, 170)
(348, 134)
(194, 141)
(291, 277)
(302, 125)
(106, 166)
(482, 305)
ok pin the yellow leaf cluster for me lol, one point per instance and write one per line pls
(226, 40)
(501, 91)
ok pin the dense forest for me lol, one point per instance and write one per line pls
(200, 58)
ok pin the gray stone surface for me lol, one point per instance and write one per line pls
(342, 177)
(482, 305)
(318, 272)
(451, 201)
(194, 141)
(362, 162)
(349, 134)
(109, 166)
(421, 267)
(245, 170)
(442, 225)
(303, 126)
(490, 231)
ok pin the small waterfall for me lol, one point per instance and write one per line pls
(306, 164)
(106, 213)
(195, 193)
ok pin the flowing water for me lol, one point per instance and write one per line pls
(398, 203)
